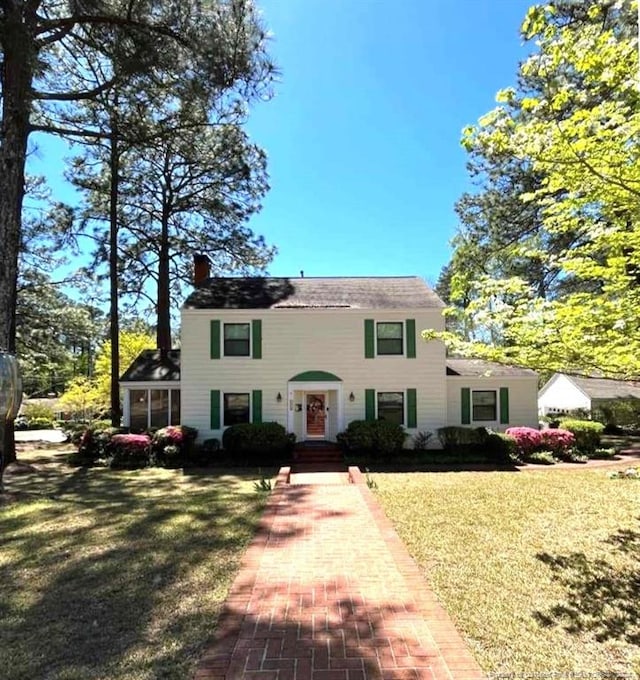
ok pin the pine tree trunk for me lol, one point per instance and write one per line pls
(114, 163)
(17, 75)
(163, 334)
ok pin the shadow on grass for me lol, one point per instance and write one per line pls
(118, 575)
(601, 597)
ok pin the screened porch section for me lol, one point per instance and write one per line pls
(152, 408)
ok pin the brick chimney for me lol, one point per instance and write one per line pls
(200, 269)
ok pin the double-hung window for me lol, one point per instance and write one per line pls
(391, 407)
(485, 405)
(236, 339)
(389, 337)
(236, 408)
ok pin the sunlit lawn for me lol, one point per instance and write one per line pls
(116, 575)
(540, 570)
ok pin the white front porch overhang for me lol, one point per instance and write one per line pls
(303, 387)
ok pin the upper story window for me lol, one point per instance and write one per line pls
(389, 337)
(485, 405)
(236, 339)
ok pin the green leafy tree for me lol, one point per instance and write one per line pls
(572, 123)
(90, 397)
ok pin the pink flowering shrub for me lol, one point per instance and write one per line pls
(527, 439)
(133, 441)
(171, 434)
(557, 440)
(129, 451)
(173, 444)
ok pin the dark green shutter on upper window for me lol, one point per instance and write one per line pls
(465, 401)
(369, 404)
(412, 407)
(504, 405)
(369, 340)
(215, 339)
(256, 330)
(215, 410)
(256, 398)
(411, 338)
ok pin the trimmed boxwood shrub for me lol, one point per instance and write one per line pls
(500, 447)
(587, 433)
(459, 440)
(258, 442)
(375, 438)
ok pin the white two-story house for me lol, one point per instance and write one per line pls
(314, 354)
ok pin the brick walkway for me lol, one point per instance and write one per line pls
(327, 591)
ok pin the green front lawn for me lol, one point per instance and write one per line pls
(116, 575)
(539, 570)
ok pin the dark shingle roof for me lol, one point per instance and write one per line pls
(481, 368)
(151, 364)
(605, 388)
(376, 292)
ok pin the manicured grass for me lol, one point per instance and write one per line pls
(538, 569)
(116, 575)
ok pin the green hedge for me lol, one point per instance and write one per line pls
(258, 442)
(462, 440)
(588, 434)
(478, 443)
(375, 438)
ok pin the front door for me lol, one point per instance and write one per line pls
(316, 415)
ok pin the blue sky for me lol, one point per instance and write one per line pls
(363, 132)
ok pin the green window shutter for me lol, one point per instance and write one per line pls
(369, 347)
(215, 339)
(411, 338)
(256, 398)
(369, 404)
(412, 407)
(215, 410)
(256, 331)
(504, 405)
(465, 399)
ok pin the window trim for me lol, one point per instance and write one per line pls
(496, 407)
(223, 396)
(403, 339)
(249, 354)
(404, 403)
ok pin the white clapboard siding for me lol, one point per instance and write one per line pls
(522, 399)
(295, 341)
